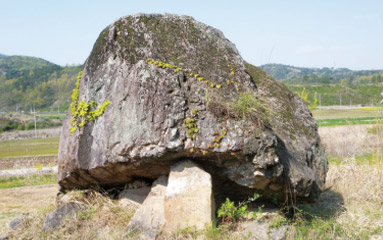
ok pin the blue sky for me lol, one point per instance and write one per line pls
(310, 33)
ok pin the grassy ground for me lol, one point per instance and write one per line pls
(29, 147)
(14, 202)
(347, 121)
(33, 180)
(347, 113)
(338, 117)
(330, 94)
(349, 208)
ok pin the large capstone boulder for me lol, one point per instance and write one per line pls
(178, 89)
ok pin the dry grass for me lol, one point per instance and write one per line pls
(28, 134)
(348, 141)
(14, 202)
(101, 218)
(346, 113)
(362, 190)
(351, 207)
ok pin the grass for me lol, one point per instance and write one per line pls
(101, 218)
(29, 147)
(349, 208)
(32, 180)
(347, 113)
(330, 94)
(347, 121)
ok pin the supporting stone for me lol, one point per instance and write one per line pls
(149, 218)
(189, 199)
(133, 197)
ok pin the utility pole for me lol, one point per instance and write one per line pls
(34, 115)
(340, 100)
(320, 101)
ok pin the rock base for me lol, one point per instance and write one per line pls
(183, 200)
(189, 200)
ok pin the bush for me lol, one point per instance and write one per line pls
(9, 125)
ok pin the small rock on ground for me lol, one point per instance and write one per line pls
(56, 218)
(4, 236)
(262, 230)
(16, 222)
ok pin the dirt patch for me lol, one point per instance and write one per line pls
(30, 134)
(27, 162)
(15, 201)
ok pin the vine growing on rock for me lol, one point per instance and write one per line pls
(176, 69)
(82, 111)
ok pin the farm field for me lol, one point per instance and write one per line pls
(29, 147)
(334, 113)
(346, 116)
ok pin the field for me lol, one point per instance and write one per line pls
(32, 180)
(347, 116)
(330, 95)
(30, 147)
(349, 208)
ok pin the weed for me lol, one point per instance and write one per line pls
(230, 213)
(38, 166)
(188, 231)
(258, 213)
(279, 222)
(248, 106)
(304, 96)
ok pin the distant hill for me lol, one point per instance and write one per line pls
(30, 81)
(16, 66)
(300, 75)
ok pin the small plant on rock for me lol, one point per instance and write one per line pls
(82, 111)
(191, 125)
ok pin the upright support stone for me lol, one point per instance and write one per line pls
(189, 199)
(149, 218)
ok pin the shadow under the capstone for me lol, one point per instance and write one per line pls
(329, 205)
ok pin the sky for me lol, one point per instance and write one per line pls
(304, 33)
